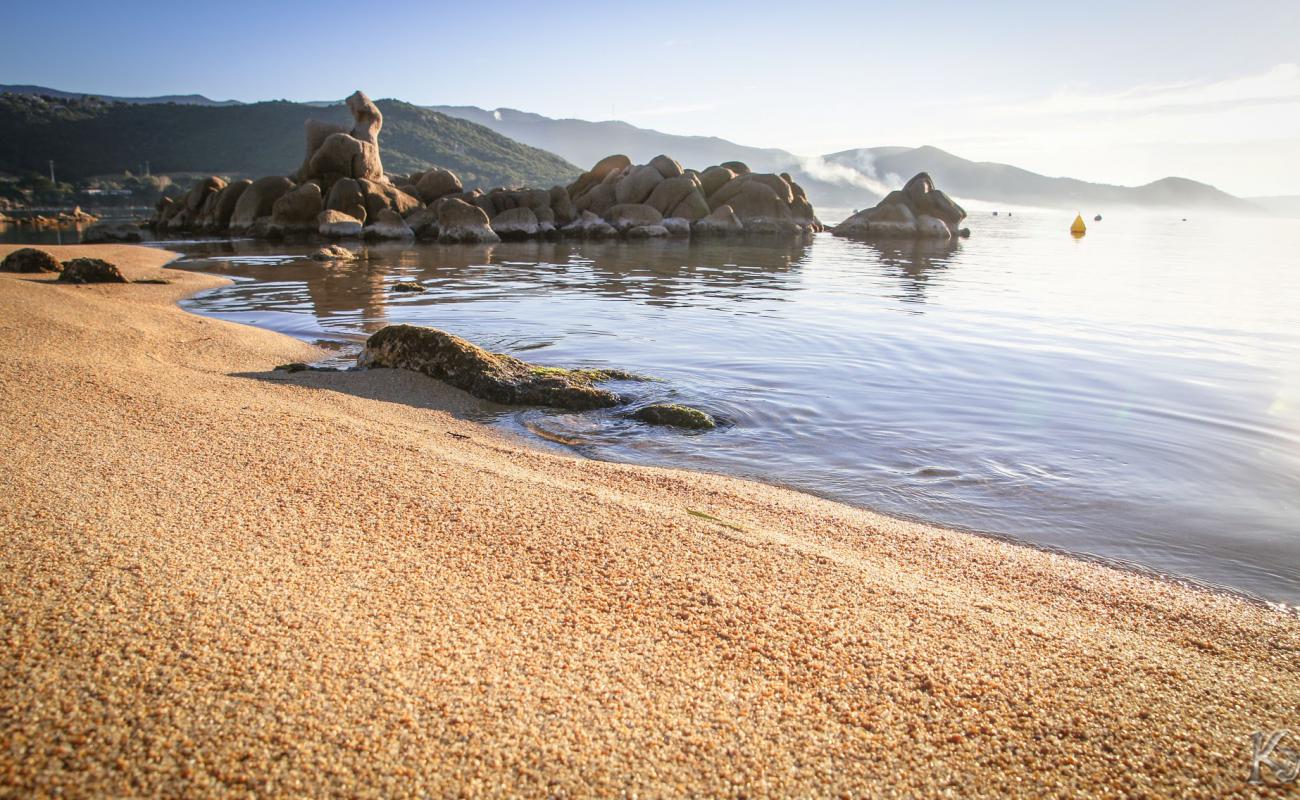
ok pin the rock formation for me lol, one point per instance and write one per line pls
(490, 376)
(917, 211)
(91, 270)
(30, 259)
(340, 190)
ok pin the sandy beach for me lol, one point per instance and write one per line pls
(221, 580)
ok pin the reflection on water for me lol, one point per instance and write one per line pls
(916, 263)
(1134, 394)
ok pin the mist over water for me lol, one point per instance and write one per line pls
(1133, 395)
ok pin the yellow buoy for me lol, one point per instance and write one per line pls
(1078, 228)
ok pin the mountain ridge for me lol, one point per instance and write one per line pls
(849, 178)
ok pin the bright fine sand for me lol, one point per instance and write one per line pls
(219, 580)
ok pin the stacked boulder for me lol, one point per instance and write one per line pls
(341, 190)
(917, 211)
(663, 199)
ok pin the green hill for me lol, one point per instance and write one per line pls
(91, 136)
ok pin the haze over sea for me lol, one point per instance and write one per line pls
(1132, 395)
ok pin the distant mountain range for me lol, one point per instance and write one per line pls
(526, 141)
(849, 178)
(185, 99)
(87, 136)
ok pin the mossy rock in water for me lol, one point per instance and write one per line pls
(31, 259)
(675, 415)
(91, 270)
(490, 376)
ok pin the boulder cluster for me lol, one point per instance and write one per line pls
(341, 191)
(917, 211)
(77, 270)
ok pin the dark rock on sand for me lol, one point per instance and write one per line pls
(91, 270)
(30, 259)
(674, 415)
(490, 376)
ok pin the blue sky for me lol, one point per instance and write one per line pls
(1120, 92)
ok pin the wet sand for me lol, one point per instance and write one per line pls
(219, 580)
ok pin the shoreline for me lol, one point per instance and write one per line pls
(502, 617)
(529, 438)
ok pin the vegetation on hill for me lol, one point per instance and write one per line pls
(89, 136)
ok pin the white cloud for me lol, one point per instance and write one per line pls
(1281, 84)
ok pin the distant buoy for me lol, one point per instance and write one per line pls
(1097, 218)
(995, 213)
(1078, 228)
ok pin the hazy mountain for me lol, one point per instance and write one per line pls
(1001, 183)
(1281, 205)
(184, 99)
(89, 136)
(584, 143)
(852, 178)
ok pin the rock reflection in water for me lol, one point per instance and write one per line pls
(916, 263)
(356, 295)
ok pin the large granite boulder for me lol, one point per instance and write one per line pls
(296, 211)
(627, 216)
(562, 206)
(516, 223)
(490, 376)
(714, 178)
(436, 183)
(597, 174)
(461, 222)
(692, 207)
(669, 193)
(598, 200)
(637, 185)
(218, 216)
(91, 270)
(366, 118)
(381, 194)
(30, 259)
(346, 196)
(337, 225)
(589, 226)
(917, 211)
(667, 167)
(722, 221)
(257, 200)
(387, 224)
(334, 151)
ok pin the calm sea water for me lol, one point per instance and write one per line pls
(1133, 395)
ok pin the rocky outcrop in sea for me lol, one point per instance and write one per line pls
(341, 191)
(917, 211)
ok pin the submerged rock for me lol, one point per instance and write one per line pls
(31, 259)
(91, 270)
(111, 232)
(490, 376)
(334, 252)
(674, 415)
